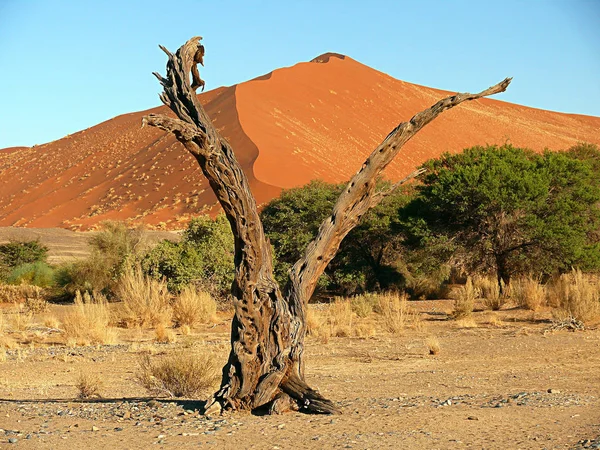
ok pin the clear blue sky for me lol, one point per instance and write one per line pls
(68, 65)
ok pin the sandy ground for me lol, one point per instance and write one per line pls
(509, 385)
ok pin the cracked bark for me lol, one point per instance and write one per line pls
(265, 368)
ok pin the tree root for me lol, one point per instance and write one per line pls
(307, 398)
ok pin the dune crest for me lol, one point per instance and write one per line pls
(317, 119)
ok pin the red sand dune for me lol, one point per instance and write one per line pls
(313, 120)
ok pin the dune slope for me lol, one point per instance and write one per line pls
(318, 119)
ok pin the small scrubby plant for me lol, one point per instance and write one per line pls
(88, 323)
(88, 385)
(192, 307)
(179, 374)
(464, 299)
(490, 291)
(528, 293)
(576, 295)
(395, 312)
(146, 301)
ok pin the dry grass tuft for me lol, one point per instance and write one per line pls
(89, 322)
(164, 335)
(19, 293)
(179, 374)
(490, 292)
(5, 341)
(146, 301)
(494, 321)
(396, 314)
(433, 345)
(88, 385)
(317, 326)
(576, 296)
(21, 319)
(341, 318)
(51, 321)
(466, 322)
(363, 305)
(464, 300)
(528, 293)
(192, 308)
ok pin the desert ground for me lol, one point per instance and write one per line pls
(504, 380)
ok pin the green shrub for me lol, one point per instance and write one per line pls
(204, 257)
(14, 254)
(37, 274)
(114, 249)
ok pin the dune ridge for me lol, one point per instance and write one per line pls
(317, 119)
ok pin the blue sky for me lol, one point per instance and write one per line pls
(68, 65)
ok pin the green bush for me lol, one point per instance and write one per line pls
(203, 257)
(14, 254)
(37, 274)
(512, 211)
(114, 249)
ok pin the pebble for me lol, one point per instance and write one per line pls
(12, 440)
(472, 418)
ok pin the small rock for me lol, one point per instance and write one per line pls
(126, 415)
(95, 428)
(553, 391)
(281, 426)
(118, 429)
(472, 418)
(12, 440)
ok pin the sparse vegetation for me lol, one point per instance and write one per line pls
(576, 295)
(464, 299)
(396, 314)
(528, 293)
(20, 293)
(88, 385)
(146, 301)
(492, 292)
(192, 307)
(433, 345)
(89, 320)
(178, 374)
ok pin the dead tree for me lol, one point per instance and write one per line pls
(266, 366)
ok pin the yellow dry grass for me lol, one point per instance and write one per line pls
(489, 290)
(464, 299)
(433, 345)
(88, 385)
(88, 322)
(193, 307)
(146, 301)
(528, 293)
(179, 374)
(396, 314)
(576, 295)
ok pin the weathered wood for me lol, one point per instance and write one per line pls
(265, 366)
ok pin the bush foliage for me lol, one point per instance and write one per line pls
(203, 257)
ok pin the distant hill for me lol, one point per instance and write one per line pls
(318, 119)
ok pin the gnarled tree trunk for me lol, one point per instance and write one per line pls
(266, 366)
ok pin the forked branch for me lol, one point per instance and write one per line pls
(359, 195)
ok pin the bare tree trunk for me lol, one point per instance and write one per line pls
(265, 366)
